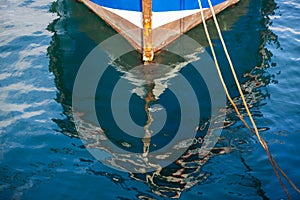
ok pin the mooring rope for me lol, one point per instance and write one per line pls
(218, 69)
(274, 164)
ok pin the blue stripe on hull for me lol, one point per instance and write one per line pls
(158, 5)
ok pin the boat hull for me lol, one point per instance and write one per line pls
(167, 25)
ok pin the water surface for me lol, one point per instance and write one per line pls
(42, 45)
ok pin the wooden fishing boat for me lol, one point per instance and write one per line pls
(146, 24)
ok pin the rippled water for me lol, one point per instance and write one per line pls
(42, 45)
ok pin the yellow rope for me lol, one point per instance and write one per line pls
(218, 69)
(275, 165)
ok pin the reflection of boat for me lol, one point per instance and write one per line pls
(149, 83)
(149, 18)
(161, 87)
(71, 40)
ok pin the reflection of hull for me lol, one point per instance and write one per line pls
(179, 16)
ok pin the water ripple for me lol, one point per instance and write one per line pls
(35, 158)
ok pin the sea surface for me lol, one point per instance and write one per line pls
(42, 46)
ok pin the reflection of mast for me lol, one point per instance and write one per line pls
(149, 97)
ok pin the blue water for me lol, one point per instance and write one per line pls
(42, 45)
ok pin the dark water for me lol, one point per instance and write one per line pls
(43, 44)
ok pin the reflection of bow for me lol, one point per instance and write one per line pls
(155, 76)
(150, 77)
